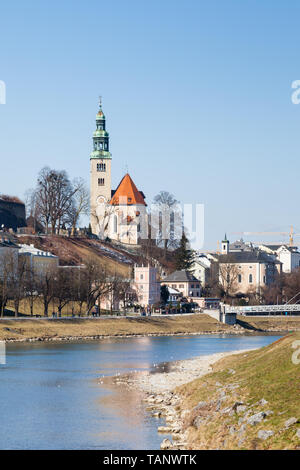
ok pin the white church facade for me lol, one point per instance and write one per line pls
(115, 214)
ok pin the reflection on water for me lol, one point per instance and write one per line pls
(51, 400)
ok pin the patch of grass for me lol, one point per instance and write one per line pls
(267, 373)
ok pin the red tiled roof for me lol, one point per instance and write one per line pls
(127, 193)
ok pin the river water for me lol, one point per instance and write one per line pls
(50, 398)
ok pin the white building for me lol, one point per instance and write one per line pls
(40, 261)
(201, 268)
(289, 256)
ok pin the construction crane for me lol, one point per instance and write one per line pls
(290, 234)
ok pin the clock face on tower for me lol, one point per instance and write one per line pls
(101, 200)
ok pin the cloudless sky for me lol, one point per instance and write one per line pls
(197, 97)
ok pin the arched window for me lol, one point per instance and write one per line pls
(250, 278)
(100, 181)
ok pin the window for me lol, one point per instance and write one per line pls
(115, 224)
(250, 278)
(181, 286)
(264, 279)
(100, 181)
(101, 166)
(239, 278)
(142, 276)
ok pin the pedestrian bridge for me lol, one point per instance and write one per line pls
(285, 309)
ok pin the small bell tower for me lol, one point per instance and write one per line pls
(225, 246)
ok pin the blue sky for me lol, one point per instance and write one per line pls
(197, 96)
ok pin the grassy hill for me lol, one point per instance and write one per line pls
(249, 401)
(73, 251)
(116, 257)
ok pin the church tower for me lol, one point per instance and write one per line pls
(100, 169)
(225, 246)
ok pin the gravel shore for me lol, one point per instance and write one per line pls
(158, 387)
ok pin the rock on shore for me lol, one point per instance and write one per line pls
(161, 399)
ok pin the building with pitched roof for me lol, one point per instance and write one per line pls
(243, 272)
(288, 255)
(117, 214)
(184, 282)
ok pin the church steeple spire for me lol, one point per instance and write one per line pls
(100, 136)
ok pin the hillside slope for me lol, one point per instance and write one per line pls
(250, 401)
(73, 251)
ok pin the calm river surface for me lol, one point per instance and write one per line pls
(50, 398)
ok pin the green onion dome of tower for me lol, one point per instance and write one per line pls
(100, 115)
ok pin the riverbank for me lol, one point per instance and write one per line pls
(159, 389)
(269, 323)
(80, 329)
(96, 328)
(240, 400)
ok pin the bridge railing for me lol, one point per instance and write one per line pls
(263, 308)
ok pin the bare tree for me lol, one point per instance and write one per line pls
(119, 289)
(62, 287)
(45, 285)
(8, 264)
(17, 288)
(103, 214)
(53, 198)
(31, 287)
(166, 221)
(96, 281)
(79, 288)
(80, 203)
(228, 275)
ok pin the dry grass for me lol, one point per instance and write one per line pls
(74, 251)
(42, 328)
(282, 323)
(267, 373)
